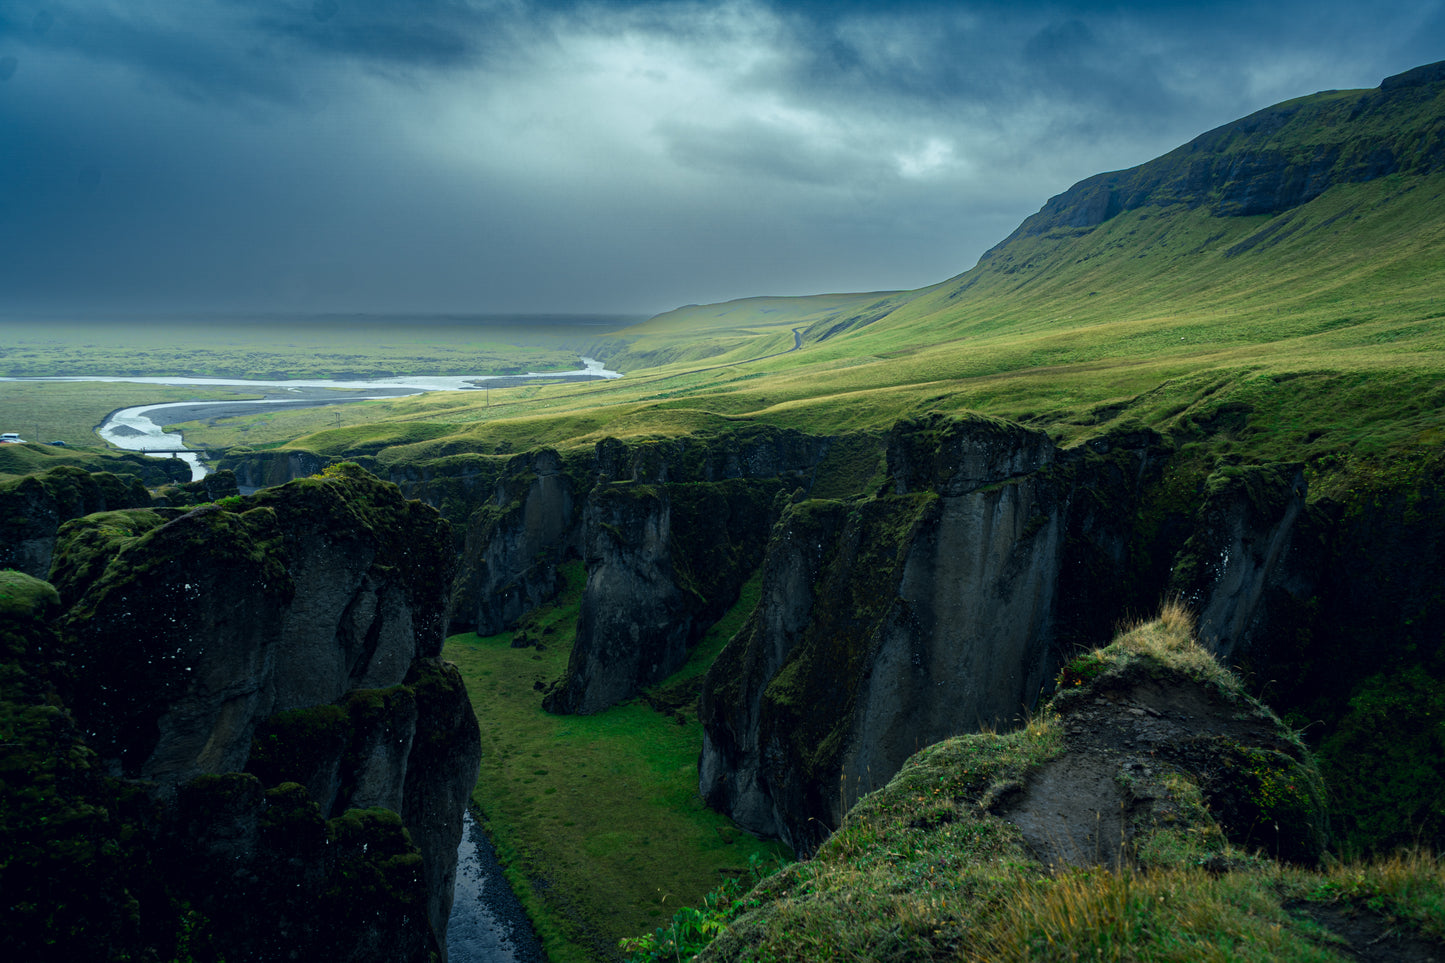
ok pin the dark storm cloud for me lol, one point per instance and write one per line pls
(616, 156)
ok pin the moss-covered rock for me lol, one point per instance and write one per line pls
(23, 596)
(1133, 766)
(129, 699)
(886, 623)
(663, 563)
(33, 508)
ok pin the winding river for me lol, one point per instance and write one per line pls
(142, 428)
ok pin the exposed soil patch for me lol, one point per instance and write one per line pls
(1083, 807)
(1370, 937)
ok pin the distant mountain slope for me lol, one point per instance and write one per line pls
(1302, 246)
(742, 329)
(1274, 159)
(1247, 185)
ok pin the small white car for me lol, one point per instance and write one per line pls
(11, 438)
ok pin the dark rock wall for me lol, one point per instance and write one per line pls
(887, 625)
(944, 603)
(1240, 551)
(255, 470)
(33, 508)
(296, 637)
(663, 563)
(514, 543)
(866, 601)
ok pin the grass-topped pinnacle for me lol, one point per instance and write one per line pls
(946, 861)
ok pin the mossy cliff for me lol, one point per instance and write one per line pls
(33, 507)
(941, 603)
(885, 625)
(515, 541)
(670, 527)
(517, 516)
(1323, 602)
(670, 531)
(663, 563)
(1122, 821)
(253, 700)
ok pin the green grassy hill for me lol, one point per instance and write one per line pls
(1270, 290)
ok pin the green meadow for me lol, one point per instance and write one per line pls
(596, 818)
(271, 347)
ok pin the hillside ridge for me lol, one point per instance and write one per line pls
(1269, 161)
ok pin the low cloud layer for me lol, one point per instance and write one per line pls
(445, 155)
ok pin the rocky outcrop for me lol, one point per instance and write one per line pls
(264, 683)
(255, 470)
(1148, 708)
(1149, 763)
(663, 563)
(1271, 161)
(515, 542)
(886, 625)
(33, 508)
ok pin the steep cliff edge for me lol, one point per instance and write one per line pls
(885, 625)
(940, 604)
(259, 695)
(1150, 763)
(663, 563)
(515, 542)
(670, 530)
(33, 508)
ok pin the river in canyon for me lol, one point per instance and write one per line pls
(488, 924)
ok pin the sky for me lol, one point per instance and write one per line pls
(500, 156)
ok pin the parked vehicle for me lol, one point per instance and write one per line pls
(11, 438)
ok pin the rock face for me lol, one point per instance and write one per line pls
(670, 532)
(1240, 550)
(268, 679)
(257, 470)
(515, 542)
(887, 625)
(663, 563)
(33, 508)
(942, 604)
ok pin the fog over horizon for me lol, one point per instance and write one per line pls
(465, 157)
